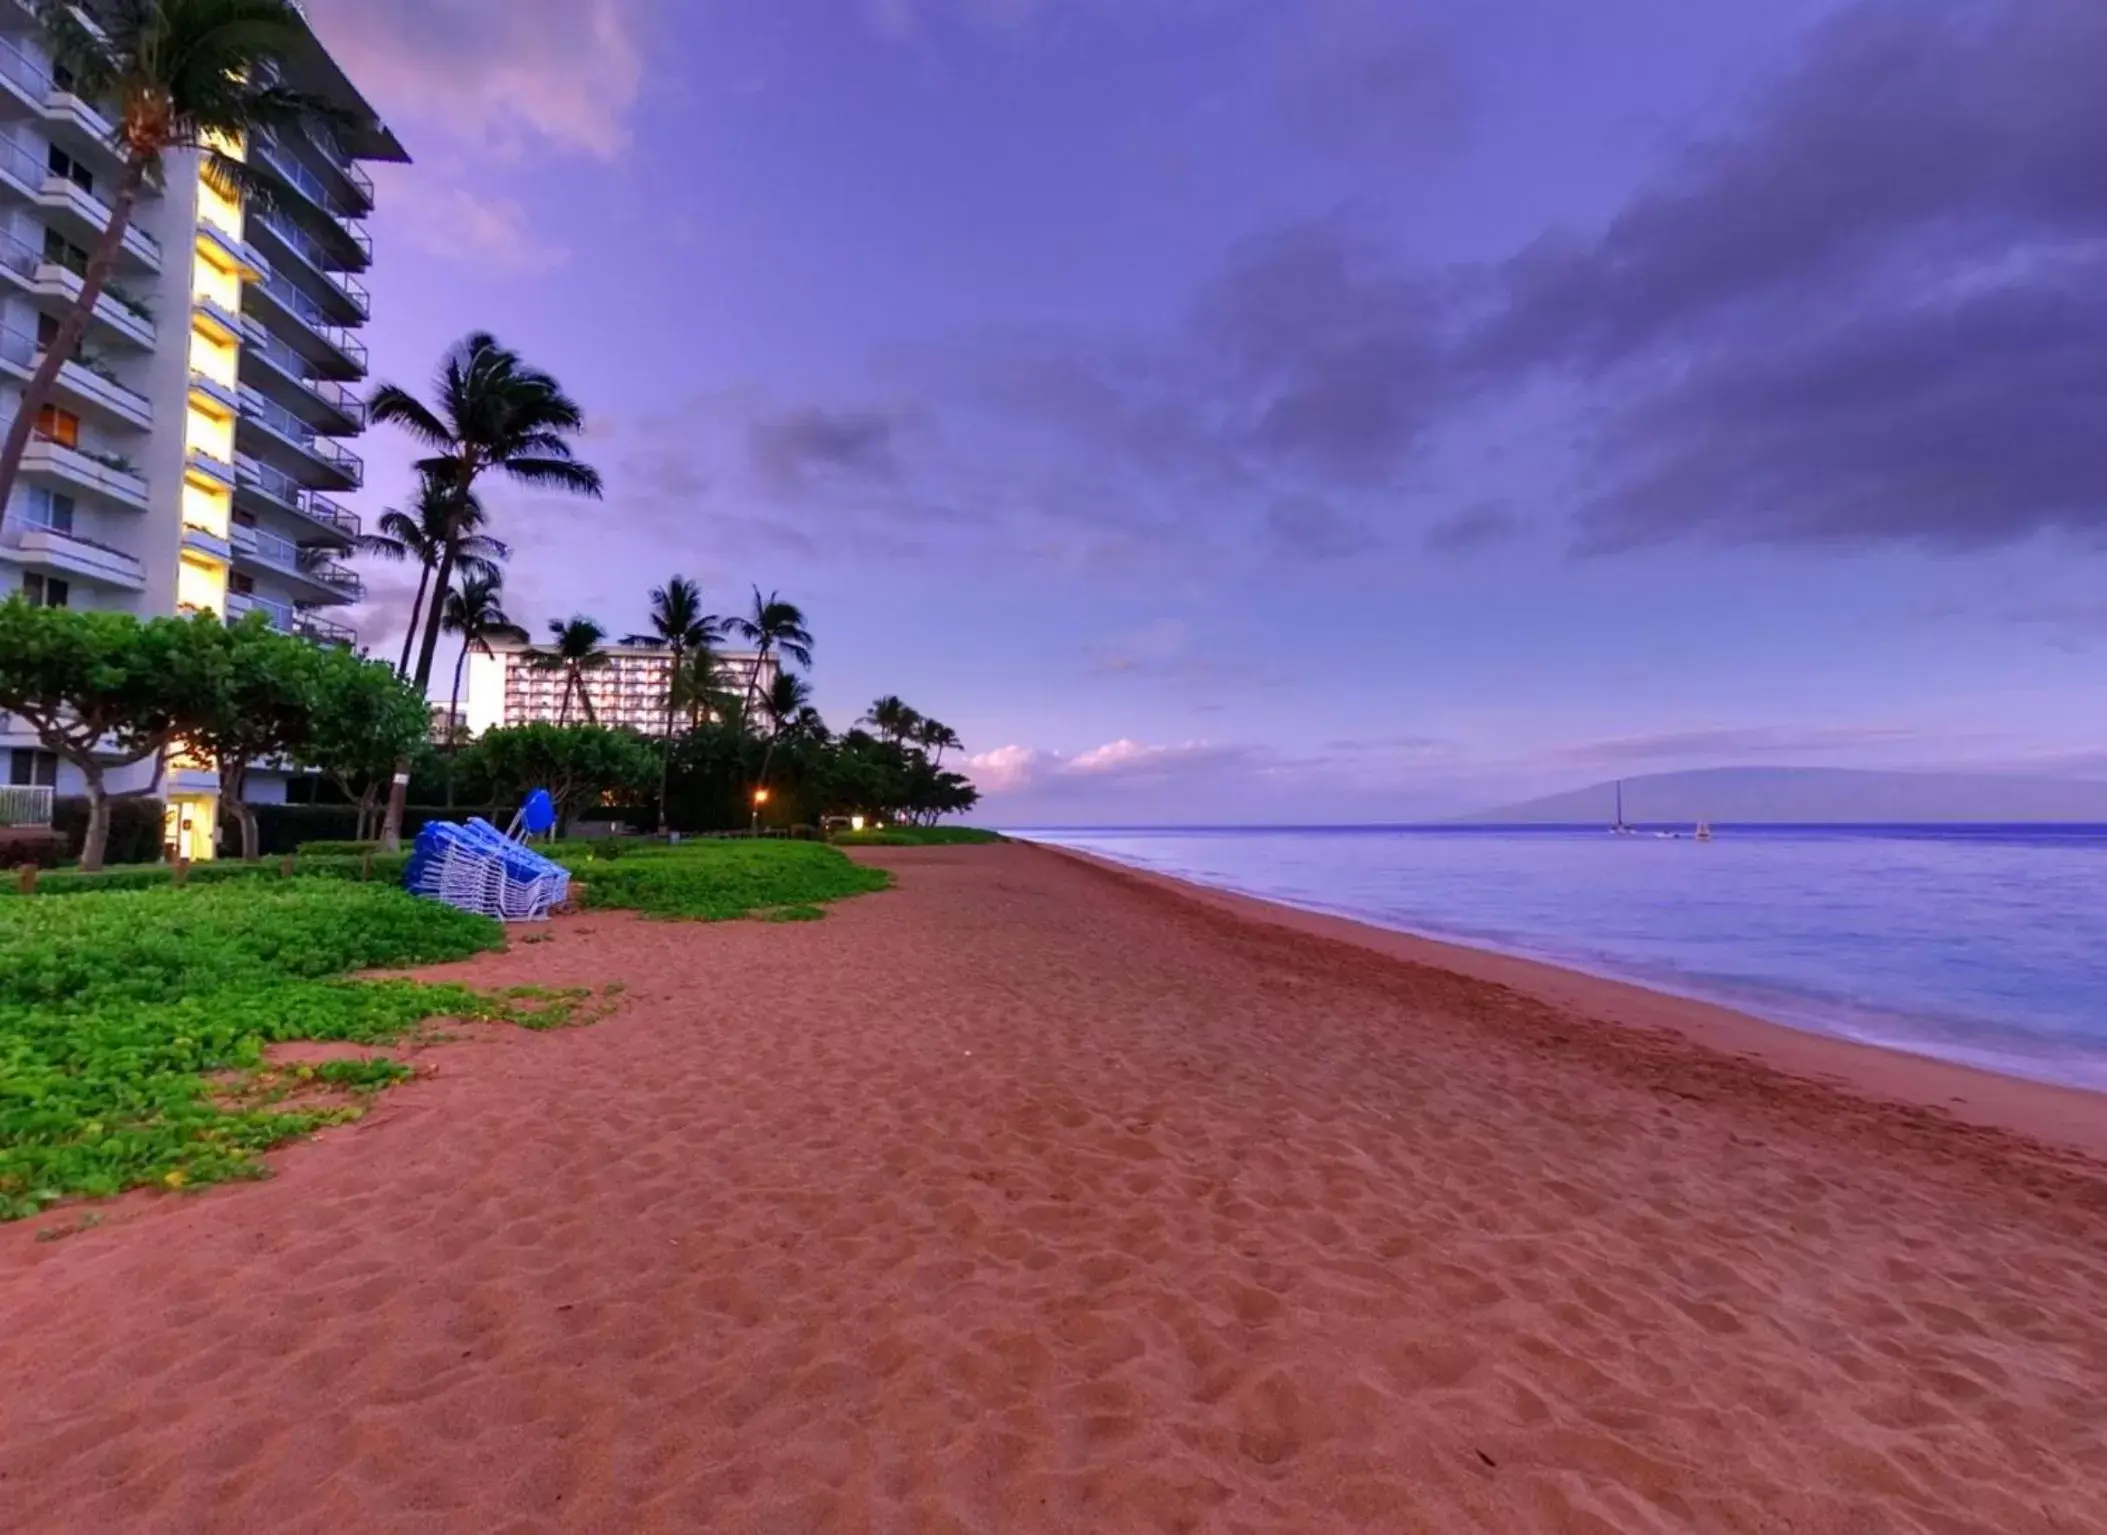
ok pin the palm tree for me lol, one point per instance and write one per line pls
(788, 699)
(935, 736)
(179, 75)
(773, 625)
(698, 688)
(424, 535)
(678, 623)
(788, 696)
(892, 719)
(476, 613)
(493, 412)
(576, 652)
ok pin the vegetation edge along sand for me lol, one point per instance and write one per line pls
(136, 1024)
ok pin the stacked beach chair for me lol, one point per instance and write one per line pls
(478, 868)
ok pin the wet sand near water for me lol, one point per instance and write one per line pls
(1032, 1196)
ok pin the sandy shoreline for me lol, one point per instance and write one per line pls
(1032, 1196)
(2065, 1116)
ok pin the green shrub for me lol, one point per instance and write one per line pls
(386, 869)
(916, 836)
(714, 880)
(137, 827)
(335, 849)
(38, 845)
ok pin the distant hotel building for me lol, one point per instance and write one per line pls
(188, 457)
(507, 688)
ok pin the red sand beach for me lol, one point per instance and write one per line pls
(1034, 1196)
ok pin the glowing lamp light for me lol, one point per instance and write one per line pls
(855, 823)
(760, 797)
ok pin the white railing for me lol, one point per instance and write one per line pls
(25, 804)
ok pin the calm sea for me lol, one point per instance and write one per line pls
(1982, 944)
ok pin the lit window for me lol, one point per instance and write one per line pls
(59, 426)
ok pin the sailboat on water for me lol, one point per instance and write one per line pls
(1618, 827)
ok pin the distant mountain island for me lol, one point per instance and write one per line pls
(1814, 796)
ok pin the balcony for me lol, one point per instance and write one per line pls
(280, 433)
(349, 171)
(255, 548)
(80, 385)
(281, 372)
(209, 467)
(84, 218)
(300, 321)
(78, 559)
(73, 469)
(24, 83)
(223, 396)
(259, 486)
(60, 287)
(344, 297)
(230, 252)
(324, 632)
(337, 224)
(198, 539)
(218, 318)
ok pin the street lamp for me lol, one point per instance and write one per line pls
(760, 799)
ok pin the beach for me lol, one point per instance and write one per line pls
(1038, 1195)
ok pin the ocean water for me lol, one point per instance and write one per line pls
(1985, 945)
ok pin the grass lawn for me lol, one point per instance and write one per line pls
(134, 1016)
(714, 881)
(916, 836)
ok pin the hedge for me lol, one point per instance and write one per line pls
(137, 827)
(38, 845)
(282, 829)
(387, 868)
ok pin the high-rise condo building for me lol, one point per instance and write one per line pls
(514, 684)
(193, 453)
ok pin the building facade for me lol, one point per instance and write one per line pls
(507, 687)
(196, 445)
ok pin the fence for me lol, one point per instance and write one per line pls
(25, 804)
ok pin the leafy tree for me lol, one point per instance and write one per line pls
(180, 74)
(493, 413)
(367, 721)
(106, 690)
(679, 623)
(577, 764)
(773, 627)
(264, 706)
(576, 652)
(439, 518)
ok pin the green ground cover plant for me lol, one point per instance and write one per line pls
(715, 881)
(133, 1024)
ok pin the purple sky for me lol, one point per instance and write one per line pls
(1345, 409)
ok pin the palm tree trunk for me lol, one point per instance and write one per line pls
(409, 633)
(453, 721)
(586, 698)
(36, 394)
(753, 678)
(399, 789)
(665, 745)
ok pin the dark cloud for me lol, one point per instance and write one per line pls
(1306, 528)
(1333, 361)
(1473, 527)
(1873, 313)
(797, 447)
